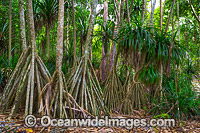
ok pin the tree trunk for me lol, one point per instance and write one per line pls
(103, 69)
(152, 13)
(48, 34)
(31, 22)
(113, 50)
(118, 25)
(160, 65)
(22, 25)
(160, 16)
(59, 47)
(143, 10)
(128, 12)
(163, 11)
(179, 38)
(74, 33)
(193, 11)
(91, 26)
(121, 13)
(145, 3)
(67, 32)
(68, 24)
(170, 15)
(199, 49)
(33, 43)
(168, 69)
(131, 5)
(28, 24)
(10, 30)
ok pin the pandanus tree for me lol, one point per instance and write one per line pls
(48, 11)
(83, 27)
(147, 75)
(132, 49)
(82, 86)
(58, 102)
(113, 92)
(29, 76)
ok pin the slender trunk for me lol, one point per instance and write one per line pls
(48, 34)
(22, 25)
(90, 29)
(103, 71)
(74, 32)
(31, 22)
(160, 65)
(91, 50)
(199, 49)
(142, 56)
(143, 10)
(116, 11)
(90, 46)
(121, 13)
(152, 13)
(178, 22)
(163, 11)
(68, 24)
(193, 11)
(87, 43)
(160, 16)
(32, 35)
(10, 30)
(59, 54)
(59, 47)
(67, 29)
(28, 20)
(128, 13)
(112, 51)
(170, 15)
(132, 5)
(168, 70)
(199, 29)
(145, 3)
(118, 25)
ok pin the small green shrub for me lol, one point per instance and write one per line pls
(179, 100)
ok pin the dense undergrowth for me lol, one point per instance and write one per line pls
(179, 99)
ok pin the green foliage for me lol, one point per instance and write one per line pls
(179, 100)
(162, 116)
(137, 41)
(48, 10)
(133, 36)
(3, 33)
(96, 62)
(123, 69)
(149, 75)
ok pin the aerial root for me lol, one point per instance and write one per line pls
(113, 91)
(134, 99)
(58, 102)
(85, 89)
(18, 89)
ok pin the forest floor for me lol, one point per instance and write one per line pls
(17, 125)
